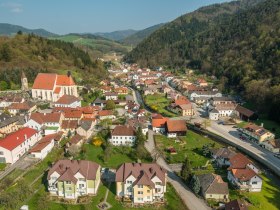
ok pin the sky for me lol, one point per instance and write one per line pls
(81, 16)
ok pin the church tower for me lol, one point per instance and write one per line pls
(24, 82)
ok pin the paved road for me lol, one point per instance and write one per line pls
(191, 201)
(232, 135)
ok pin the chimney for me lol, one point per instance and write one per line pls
(25, 136)
(68, 73)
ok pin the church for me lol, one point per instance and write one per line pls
(50, 86)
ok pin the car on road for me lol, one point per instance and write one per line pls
(277, 155)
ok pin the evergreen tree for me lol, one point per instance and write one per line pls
(186, 170)
(195, 184)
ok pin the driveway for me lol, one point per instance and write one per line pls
(188, 197)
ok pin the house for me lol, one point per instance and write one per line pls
(129, 98)
(50, 87)
(121, 90)
(213, 187)
(105, 89)
(48, 122)
(176, 128)
(141, 182)
(76, 140)
(111, 96)
(99, 102)
(222, 156)
(10, 99)
(86, 129)
(220, 100)
(256, 133)
(123, 135)
(43, 147)
(73, 178)
(201, 100)
(201, 82)
(68, 101)
(141, 122)
(186, 109)
(236, 205)
(213, 114)
(106, 114)
(69, 126)
(8, 124)
(245, 114)
(194, 94)
(16, 144)
(225, 110)
(272, 145)
(158, 123)
(26, 107)
(244, 174)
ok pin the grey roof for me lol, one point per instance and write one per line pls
(86, 125)
(7, 121)
(213, 184)
(129, 98)
(98, 100)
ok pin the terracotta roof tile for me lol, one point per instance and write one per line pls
(123, 130)
(176, 125)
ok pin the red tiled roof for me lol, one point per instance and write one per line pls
(13, 140)
(243, 174)
(176, 125)
(123, 130)
(64, 80)
(73, 114)
(76, 139)
(179, 102)
(44, 81)
(69, 124)
(158, 121)
(45, 141)
(22, 106)
(57, 90)
(45, 117)
(106, 112)
(67, 99)
(239, 161)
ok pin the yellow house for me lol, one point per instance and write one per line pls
(141, 182)
(73, 178)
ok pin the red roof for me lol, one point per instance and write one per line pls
(45, 117)
(239, 161)
(179, 102)
(64, 80)
(243, 174)
(45, 141)
(57, 90)
(44, 81)
(13, 140)
(158, 121)
(106, 112)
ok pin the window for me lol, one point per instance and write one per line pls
(140, 186)
(129, 182)
(1, 153)
(158, 183)
(158, 190)
(140, 192)
(148, 191)
(68, 182)
(140, 199)
(254, 182)
(68, 188)
(81, 185)
(148, 197)
(82, 179)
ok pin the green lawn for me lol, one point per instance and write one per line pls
(158, 103)
(191, 146)
(2, 166)
(118, 155)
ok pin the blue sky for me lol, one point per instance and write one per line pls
(65, 16)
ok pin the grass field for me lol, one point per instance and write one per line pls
(190, 146)
(158, 103)
(2, 166)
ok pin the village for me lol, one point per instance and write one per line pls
(134, 141)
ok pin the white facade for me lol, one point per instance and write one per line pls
(122, 140)
(11, 156)
(158, 130)
(74, 105)
(213, 116)
(194, 95)
(111, 97)
(44, 152)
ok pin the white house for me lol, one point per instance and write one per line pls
(123, 135)
(214, 114)
(106, 114)
(43, 147)
(68, 101)
(15, 145)
(50, 87)
(208, 94)
(111, 96)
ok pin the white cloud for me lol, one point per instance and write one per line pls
(12, 6)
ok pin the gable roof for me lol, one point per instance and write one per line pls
(68, 168)
(236, 205)
(213, 184)
(44, 81)
(158, 120)
(15, 139)
(69, 124)
(64, 80)
(67, 99)
(143, 172)
(244, 111)
(41, 118)
(223, 152)
(22, 106)
(105, 112)
(176, 125)
(123, 130)
(76, 139)
(43, 143)
(243, 174)
(239, 161)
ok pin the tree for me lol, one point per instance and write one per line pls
(73, 150)
(195, 184)
(186, 170)
(110, 105)
(6, 53)
(3, 85)
(19, 32)
(205, 150)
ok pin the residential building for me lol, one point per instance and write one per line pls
(209, 94)
(76, 140)
(68, 101)
(256, 133)
(176, 128)
(244, 113)
(26, 107)
(213, 187)
(50, 87)
(186, 109)
(123, 135)
(8, 124)
(99, 102)
(158, 123)
(272, 145)
(222, 156)
(111, 96)
(16, 144)
(43, 147)
(121, 90)
(86, 128)
(141, 182)
(106, 114)
(236, 205)
(73, 178)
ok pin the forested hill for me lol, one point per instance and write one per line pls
(242, 49)
(34, 54)
(10, 30)
(139, 36)
(164, 46)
